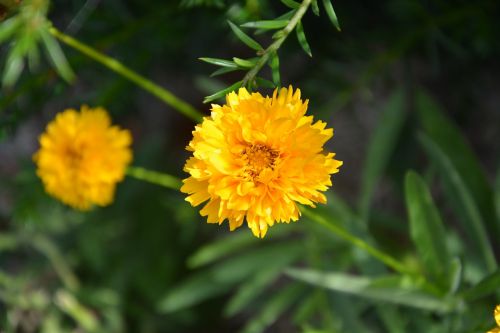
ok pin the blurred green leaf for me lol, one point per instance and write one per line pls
(291, 4)
(266, 25)
(301, 37)
(449, 139)
(315, 7)
(464, 203)
(221, 277)
(220, 62)
(485, 287)
(249, 41)
(381, 147)
(253, 288)
(223, 92)
(393, 289)
(280, 302)
(427, 230)
(13, 69)
(456, 275)
(223, 247)
(274, 63)
(8, 28)
(83, 316)
(497, 198)
(331, 13)
(57, 56)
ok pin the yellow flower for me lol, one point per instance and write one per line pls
(82, 157)
(497, 319)
(256, 158)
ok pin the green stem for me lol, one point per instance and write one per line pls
(250, 76)
(358, 242)
(155, 177)
(163, 94)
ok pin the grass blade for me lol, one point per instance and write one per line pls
(462, 200)
(427, 230)
(381, 146)
(266, 24)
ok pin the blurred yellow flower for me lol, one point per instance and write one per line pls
(82, 157)
(497, 319)
(256, 158)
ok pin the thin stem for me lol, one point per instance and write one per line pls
(163, 94)
(358, 242)
(155, 177)
(250, 76)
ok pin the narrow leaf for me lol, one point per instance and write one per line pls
(221, 277)
(274, 63)
(8, 28)
(451, 141)
(462, 201)
(331, 13)
(224, 70)
(264, 83)
(266, 24)
(485, 287)
(219, 62)
(223, 92)
(57, 56)
(427, 230)
(381, 147)
(245, 63)
(393, 289)
(315, 7)
(301, 36)
(249, 41)
(291, 4)
(273, 309)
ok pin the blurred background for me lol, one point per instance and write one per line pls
(150, 263)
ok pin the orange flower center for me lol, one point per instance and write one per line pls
(259, 157)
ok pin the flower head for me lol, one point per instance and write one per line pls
(497, 319)
(82, 157)
(255, 158)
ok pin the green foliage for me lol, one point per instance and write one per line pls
(392, 251)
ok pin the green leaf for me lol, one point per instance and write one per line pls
(13, 69)
(266, 24)
(301, 37)
(253, 288)
(331, 13)
(223, 92)
(220, 62)
(220, 277)
(274, 63)
(392, 289)
(57, 56)
(249, 41)
(456, 274)
(273, 309)
(462, 200)
(264, 83)
(224, 70)
(226, 246)
(8, 28)
(497, 197)
(381, 147)
(245, 63)
(291, 4)
(485, 287)
(315, 7)
(427, 230)
(450, 140)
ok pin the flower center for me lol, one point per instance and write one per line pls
(259, 157)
